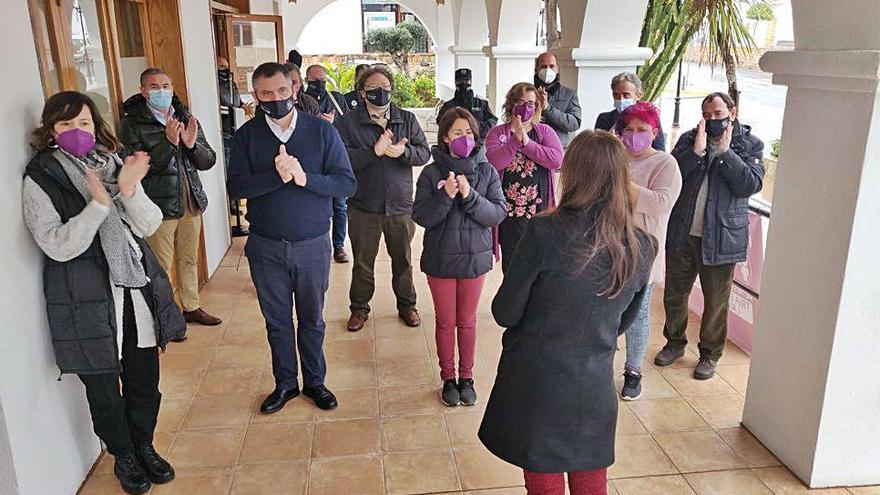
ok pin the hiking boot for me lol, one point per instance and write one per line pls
(157, 468)
(131, 475)
(668, 355)
(339, 255)
(411, 317)
(466, 392)
(705, 369)
(358, 318)
(632, 385)
(449, 395)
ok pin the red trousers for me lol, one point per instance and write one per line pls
(579, 483)
(455, 306)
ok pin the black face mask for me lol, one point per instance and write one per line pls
(316, 89)
(716, 127)
(379, 97)
(277, 109)
(463, 86)
(224, 73)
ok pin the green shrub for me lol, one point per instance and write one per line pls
(760, 11)
(404, 94)
(425, 89)
(340, 77)
(774, 148)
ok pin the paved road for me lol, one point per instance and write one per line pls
(762, 103)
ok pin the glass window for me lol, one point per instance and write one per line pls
(88, 55)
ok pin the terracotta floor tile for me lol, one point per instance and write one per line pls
(197, 481)
(420, 471)
(207, 448)
(172, 412)
(479, 469)
(737, 375)
(180, 384)
(349, 351)
(272, 478)
(668, 415)
(354, 403)
(248, 335)
(865, 490)
(341, 438)
(200, 336)
(654, 485)
(519, 490)
(405, 347)
(351, 375)
(697, 451)
(463, 428)
(389, 326)
(241, 357)
(219, 411)
(742, 482)
(748, 447)
(298, 410)
(182, 357)
(654, 386)
(639, 455)
(231, 381)
(407, 371)
(102, 484)
(720, 411)
(782, 482)
(277, 442)
(414, 433)
(627, 422)
(683, 381)
(360, 475)
(409, 400)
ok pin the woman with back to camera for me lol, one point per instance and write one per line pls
(575, 284)
(109, 303)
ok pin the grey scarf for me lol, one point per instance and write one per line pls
(120, 249)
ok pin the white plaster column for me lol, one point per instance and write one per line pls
(474, 58)
(813, 395)
(509, 65)
(590, 71)
(444, 58)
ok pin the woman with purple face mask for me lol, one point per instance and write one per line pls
(656, 181)
(458, 202)
(526, 153)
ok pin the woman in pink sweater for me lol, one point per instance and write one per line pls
(657, 182)
(526, 153)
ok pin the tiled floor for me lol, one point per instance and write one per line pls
(390, 434)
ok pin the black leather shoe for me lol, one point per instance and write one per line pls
(323, 398)
(131, 475)
(157, 468)
(276, 400)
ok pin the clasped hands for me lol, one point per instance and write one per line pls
(457, 185)
(289, 168)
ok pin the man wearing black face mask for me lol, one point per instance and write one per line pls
(331, 103)
(353, 97)
(289, 166)
(465, 98)
(384, 143)
(562, 110)
(721, 165)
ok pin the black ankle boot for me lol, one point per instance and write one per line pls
(157, 468)
(131, 475)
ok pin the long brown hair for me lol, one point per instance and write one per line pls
(516, 92)
(595, 188)
(447, 121)
(67, 105)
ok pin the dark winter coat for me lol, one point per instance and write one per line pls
(79, 299)
(384, 184)
(458, 232)
(553, 407)
(607, 120)
(563, 112)
(478, 107)
(169, 164)
(734, 176)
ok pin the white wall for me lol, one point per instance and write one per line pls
(342, 18)
(46, 421)
(201, 76)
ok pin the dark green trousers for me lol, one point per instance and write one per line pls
(365, 230)
(681, 273)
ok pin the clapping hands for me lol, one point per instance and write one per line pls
(289, 168)
(455, 185)
(384, 146)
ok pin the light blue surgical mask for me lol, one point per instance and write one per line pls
(621, 105)
(160, 98)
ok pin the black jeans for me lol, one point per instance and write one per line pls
(126, 419)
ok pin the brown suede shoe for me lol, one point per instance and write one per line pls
(411, 317)
(339, 255)
(201, 317)
(357, 320)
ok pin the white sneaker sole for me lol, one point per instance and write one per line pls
(630, 399)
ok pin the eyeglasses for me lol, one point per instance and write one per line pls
(529, 104)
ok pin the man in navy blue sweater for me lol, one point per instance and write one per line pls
(289, 166)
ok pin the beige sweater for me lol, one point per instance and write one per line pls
(658, 182)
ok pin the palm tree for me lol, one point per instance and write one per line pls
(551, 18)
(669, 27)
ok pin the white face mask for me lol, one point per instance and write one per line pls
(547, 75)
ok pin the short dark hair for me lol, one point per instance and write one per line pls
(294, 57)
(269, 69)
(66, 105)
(449, 119)
(360, 68)
(323, 69)
(152, 71)
(373, 70)
(718, 94)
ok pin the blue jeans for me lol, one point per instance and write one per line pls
(283, 273)
(340, 221)
(638, 334)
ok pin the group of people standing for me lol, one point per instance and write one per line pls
(312, 163)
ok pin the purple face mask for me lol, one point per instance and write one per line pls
(76, 141)
(637, 142)
(462, 146)
(525, 112)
